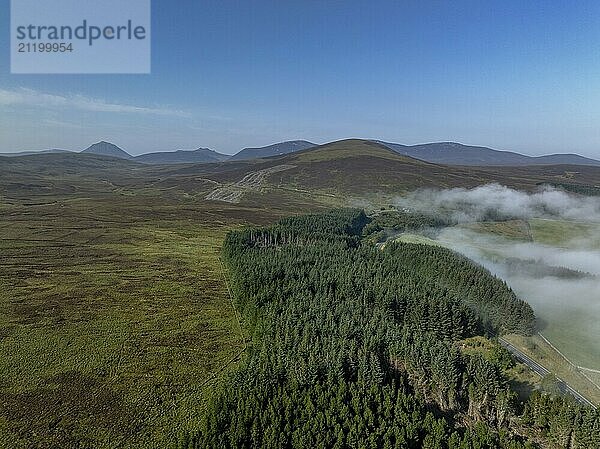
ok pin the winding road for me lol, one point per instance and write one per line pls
(542, 371)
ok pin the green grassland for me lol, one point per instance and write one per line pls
(574, 331)
(115, 319)
(572, 328)
(109, 330)
(593, 377)
(408, 237)
(566, 233)
(511, 229)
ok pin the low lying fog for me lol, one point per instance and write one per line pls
(467, 205)
(566, 302)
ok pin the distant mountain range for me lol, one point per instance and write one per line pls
(446, 153)
(350, 168)
(201, 155)
(451, 153)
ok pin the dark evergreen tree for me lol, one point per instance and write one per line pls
(356, 347)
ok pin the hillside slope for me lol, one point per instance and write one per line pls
(35, 152)
(201, 155)
(360, 166)
(273, 150)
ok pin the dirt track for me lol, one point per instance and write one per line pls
(252, 181)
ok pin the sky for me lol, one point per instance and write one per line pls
(511, 75)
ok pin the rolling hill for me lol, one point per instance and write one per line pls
(345, 169)
(34, 152)
(273, 150)
(451, 153)
(200, 155)
(358, 168)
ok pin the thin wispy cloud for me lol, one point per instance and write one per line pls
(33, 98)
(62, 124)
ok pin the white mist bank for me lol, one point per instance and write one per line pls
(477, 244)
(467, 205)
(568, 309)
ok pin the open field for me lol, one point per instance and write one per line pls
(568, 308)
(592, 376)
(571, 318)
(570, 234)
(407, 237)
(573, 330)
(512, 229)
(108, 329)
(115, 318)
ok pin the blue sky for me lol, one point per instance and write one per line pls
(515, 75)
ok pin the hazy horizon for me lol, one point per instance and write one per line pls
(171, 150)
(227, 75)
